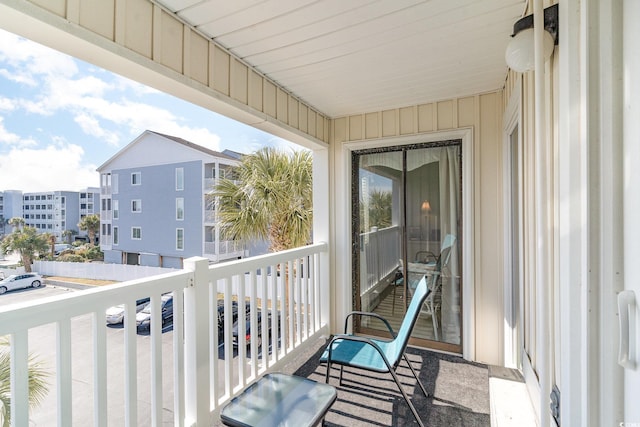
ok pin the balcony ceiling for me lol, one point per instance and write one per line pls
(354, 56)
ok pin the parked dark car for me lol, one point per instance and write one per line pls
(143, 318)
(249, 337)
(234, 310)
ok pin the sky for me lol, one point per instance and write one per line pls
(61, 118)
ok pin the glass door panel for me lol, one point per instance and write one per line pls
(406, 227)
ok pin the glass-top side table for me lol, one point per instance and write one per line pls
(280, 400)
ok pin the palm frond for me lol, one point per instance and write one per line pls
(37, 380)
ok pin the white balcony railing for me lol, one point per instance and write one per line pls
(224, 247)
(380, 254)
(289, 286)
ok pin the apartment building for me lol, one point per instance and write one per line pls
(10, 206)
(56, 211)
(51, 212)
(155, 207)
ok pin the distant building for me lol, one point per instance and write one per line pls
(51, 212)
(57, 211)
(154, 204)
(10, 207)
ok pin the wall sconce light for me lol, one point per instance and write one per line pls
(520, 51)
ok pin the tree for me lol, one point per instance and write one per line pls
(27, 242)
(271, 199)
(37, 375)
(379, 210)
(68, 235)
(90, 223)
(17, 223)
(51, 238)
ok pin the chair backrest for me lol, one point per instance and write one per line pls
(409, 321)
(445, 251)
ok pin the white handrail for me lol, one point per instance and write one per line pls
(198, 389)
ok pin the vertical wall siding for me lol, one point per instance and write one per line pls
(484, 114)
(151, 32)
(412, 120)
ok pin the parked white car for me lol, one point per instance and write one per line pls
(115, 314)
(20, 281)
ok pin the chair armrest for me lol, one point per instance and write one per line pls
(368, 314)
(356, 338)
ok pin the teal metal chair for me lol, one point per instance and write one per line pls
(379, 355)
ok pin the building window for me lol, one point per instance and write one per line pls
(136, 233)
(136, 178)
(116, 209)
(179, 179)
(136, 206)
(179, 239)
(115, 235)
(179, 208)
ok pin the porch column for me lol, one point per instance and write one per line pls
(196, 344)
(321, 223)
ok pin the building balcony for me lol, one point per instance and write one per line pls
(226, 249)
(183, 372)
(178, 374)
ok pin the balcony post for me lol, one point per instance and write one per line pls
(321, 229)
(196, 343)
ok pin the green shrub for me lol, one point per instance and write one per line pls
(71, 257)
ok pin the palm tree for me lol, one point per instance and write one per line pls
(379, 209)
(68, 235)
(51, 238)
(17, 223)
(271, 199)
(91, 223)
(27, 242)
(38, 386)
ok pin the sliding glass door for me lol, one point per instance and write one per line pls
(406, 225)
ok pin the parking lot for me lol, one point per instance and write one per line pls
(42, 344)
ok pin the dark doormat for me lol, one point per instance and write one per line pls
(458, 392)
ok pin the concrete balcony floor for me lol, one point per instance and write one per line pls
(459, 392)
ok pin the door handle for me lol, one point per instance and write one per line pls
(627, 319)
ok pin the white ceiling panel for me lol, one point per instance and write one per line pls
(347, 57)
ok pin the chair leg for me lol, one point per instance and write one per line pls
(406, 398)
(436, 325)
(415, 375)
(326, 378)
(393, 307)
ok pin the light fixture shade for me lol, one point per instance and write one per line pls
(520, 51)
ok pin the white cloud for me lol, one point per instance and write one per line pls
(91, 126)
(7, 104)
(10, 138)
(56, 167)
(31, 60)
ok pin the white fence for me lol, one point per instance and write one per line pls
(98, 271)
(188, 375)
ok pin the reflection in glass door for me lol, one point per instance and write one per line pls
(407, 210)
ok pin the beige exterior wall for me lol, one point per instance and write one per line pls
(482, 113)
